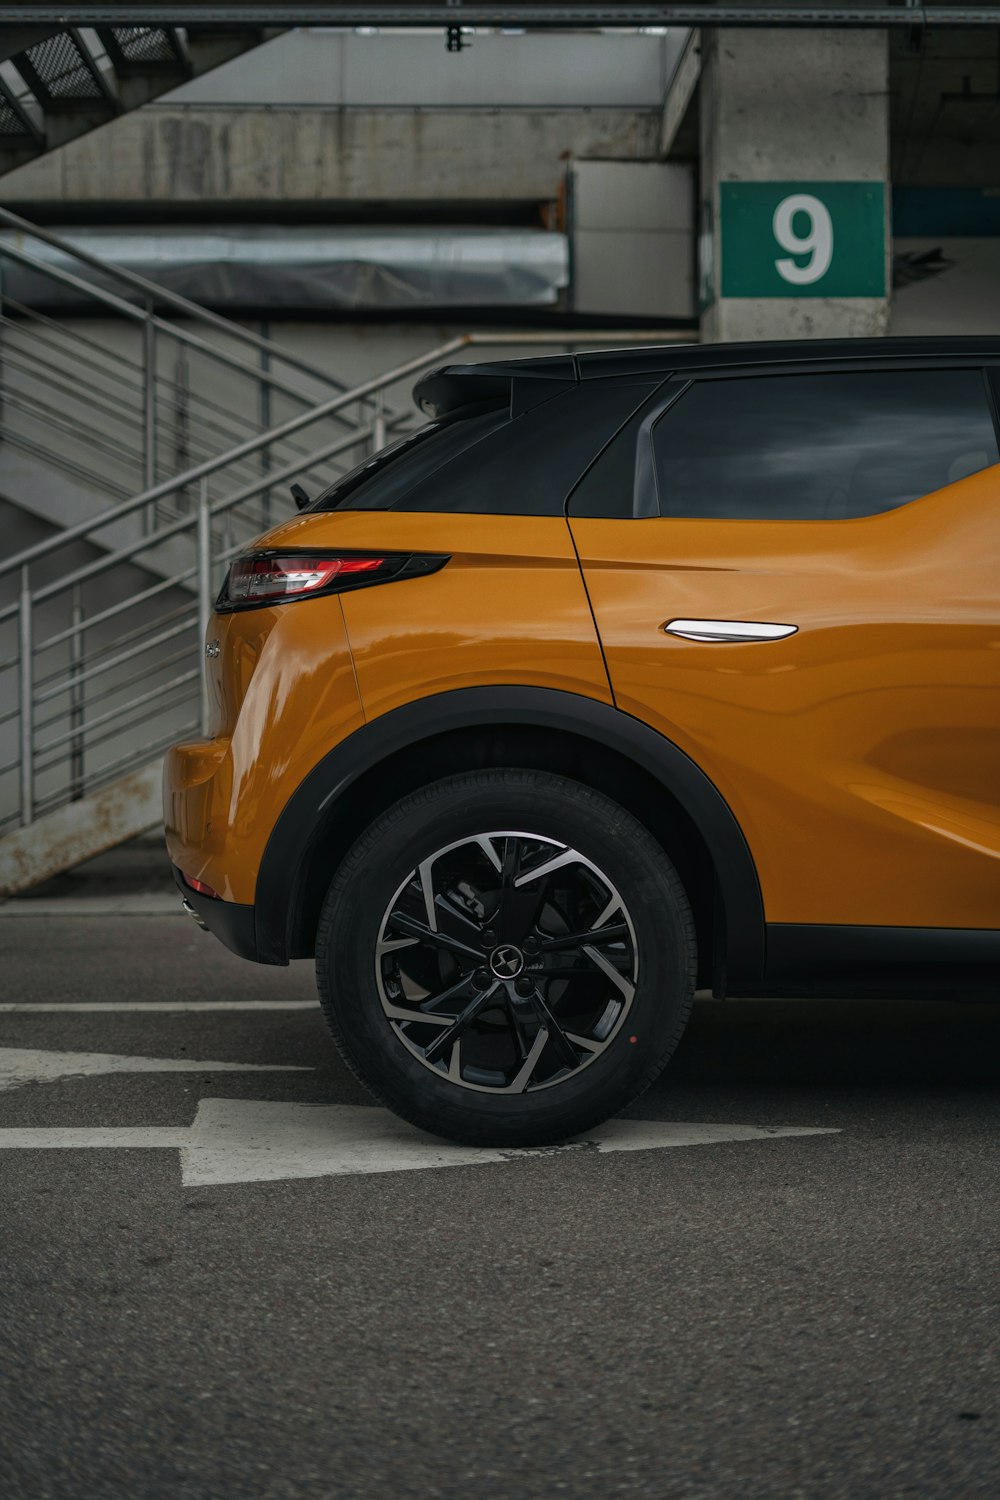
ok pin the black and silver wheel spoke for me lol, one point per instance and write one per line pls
(506, 961)
(423, 934)
(444, 1043)
(558, 1039)
(575, 940)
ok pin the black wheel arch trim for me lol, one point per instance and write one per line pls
(464, 708)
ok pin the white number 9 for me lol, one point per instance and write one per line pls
(817, 242)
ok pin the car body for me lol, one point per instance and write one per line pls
(748, 594)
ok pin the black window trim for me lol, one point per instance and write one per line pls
(656, 387)
(991, 374)
(646, 500)
(646, 490)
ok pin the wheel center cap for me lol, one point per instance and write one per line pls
(507, 961)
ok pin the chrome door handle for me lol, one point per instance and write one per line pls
(728, 630)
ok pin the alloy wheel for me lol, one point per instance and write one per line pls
(506, 962)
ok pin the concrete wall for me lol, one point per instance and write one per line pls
(964, 298)
(788, 106)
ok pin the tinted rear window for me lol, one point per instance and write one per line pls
(494, 464)
(381, 481)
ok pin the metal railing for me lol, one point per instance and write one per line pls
(104, 683)
(120, 404)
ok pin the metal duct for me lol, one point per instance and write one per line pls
(321, 268)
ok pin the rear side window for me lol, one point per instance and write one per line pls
(528, 465)
(381, 481)
(492, 463)
(820, 447)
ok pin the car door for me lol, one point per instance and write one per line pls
(794, 578)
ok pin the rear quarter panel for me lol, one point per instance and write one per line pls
(509, 608)
(292, 681)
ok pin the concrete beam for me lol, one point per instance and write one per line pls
(680, 92)
(165, 155)
(14, 39)
(527, 13)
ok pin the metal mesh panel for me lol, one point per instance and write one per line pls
(62, 68)
(12, 127)
(144, 44)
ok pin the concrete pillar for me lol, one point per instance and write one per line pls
(793, 236)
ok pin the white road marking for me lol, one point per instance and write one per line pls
(96, 1138)
(238, 1140)
(10, 1007)
(21, 1065)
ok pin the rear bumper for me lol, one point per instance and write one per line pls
(231, 923)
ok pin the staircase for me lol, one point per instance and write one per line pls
(59, 82)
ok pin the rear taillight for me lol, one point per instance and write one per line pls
(260, 578)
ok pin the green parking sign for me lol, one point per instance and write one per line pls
(802, 239)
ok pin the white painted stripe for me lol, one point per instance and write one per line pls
(243, 1140)
(106, 1138)
(20, 1065)
(138, 1006)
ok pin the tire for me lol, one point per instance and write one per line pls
(544, 1055)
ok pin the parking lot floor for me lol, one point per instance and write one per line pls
(773, 1316)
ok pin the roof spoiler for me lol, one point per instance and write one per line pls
(460, 390)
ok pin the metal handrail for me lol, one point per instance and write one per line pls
(146, 644)
(170, 298)
(112, 610)
(125, 309)
(147, 697)
(111, 690)
(156, 417)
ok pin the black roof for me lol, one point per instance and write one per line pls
(780, 351)
(451, 388)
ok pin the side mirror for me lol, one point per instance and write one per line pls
(299, 496)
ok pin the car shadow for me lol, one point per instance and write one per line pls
(903, 1043)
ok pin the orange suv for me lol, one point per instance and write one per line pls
(627, 673)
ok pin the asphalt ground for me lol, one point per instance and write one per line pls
(796, 1316)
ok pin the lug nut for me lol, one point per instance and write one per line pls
(530, 945)
(524, 987)
(481, 979)
(489, 936)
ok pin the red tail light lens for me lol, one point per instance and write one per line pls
(260, 578)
